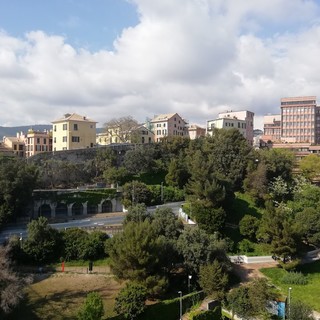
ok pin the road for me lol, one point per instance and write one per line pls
(113, 219)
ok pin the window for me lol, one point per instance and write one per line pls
(55, 128)
(75, 139)
(38, 140)
(75, 127)
(20, 147)
(65, 126)
(64, 139)
(44, 141)
(54, 140)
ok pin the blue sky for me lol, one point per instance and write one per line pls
(111, 58)
(91, 24)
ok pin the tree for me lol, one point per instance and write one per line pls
(178, 174)
(137, 213)
(122, 128)
(248, 226)
(92, 308)
(213, 280)
(135, 192)
(135, 254)
(250, 300)
(279, 189)
(11, 284)
(209, 218)
(117, 175)
(300, 311)
(310, 166)
(17, 181)
(198, 248)
(43, 243)
(94, 245)
(74, 243)
(307, 224)
(130, 301)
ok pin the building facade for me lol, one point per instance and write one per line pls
(37, 142)
(300, 120)
(73, 132)
(196, 131)
(227, 123)
(272, 128)
(15, 144)
(244, 115)
(169, 125)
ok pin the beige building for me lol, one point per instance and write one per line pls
(37, 142)
(166, 125)
(16, 144)
(245, 115)
(73, 132)
(196, 131)
(140, 134)
(227, 123)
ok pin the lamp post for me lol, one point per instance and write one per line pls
(189, 280)
(180, 294)
(20, 240)
(289, 303)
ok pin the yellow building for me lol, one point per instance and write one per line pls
(16, 144)
(73, 132)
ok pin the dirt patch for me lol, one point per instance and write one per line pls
(249, 271)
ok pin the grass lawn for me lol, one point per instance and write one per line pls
(60, 295)
(309, 293)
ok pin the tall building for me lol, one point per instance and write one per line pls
(73, 132)
(166, 125)
(300, 119)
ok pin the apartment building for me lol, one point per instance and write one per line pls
(196, 131)
(272, 127)
(300, 120)
(139, 134)
(16, 144)
(245, 115)
(37, 142)
(166, 125)
(73, 131)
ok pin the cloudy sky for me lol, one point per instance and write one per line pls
(113, 58)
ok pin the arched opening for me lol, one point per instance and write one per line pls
(106, 206)
(44, 211)
(61, 209)
(77, 209)
(92, 208)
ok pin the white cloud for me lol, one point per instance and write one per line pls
(195, 57)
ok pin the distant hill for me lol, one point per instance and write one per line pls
(12, 131)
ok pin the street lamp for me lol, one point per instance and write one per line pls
(189, 279)
(180, 293)
(20, 240)
(289, 302)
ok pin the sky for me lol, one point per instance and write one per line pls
(107, 59)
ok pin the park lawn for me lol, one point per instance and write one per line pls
(309, 293)
(60, 295)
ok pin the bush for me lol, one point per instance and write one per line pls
(292, 265)
(214, 314)
(92, 308)
(246, 245)
(294, 278)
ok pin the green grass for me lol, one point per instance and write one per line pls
(83, 263)
(309, 293)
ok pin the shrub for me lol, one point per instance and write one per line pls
(208, 315)
(292, 265)
(294, 278)
(92, 308)
(246, 245)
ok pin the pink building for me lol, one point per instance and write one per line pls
(196, 131)
(299, 118)
(272, 128)
(37, 142)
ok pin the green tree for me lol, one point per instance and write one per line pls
(117, 175)
(74, 243)
(199, 248)
(135, 192)
(43, 243)
(178, 174)
(17, 181)
(307, 224)
(279, 189)
(213, 280)
(137, 213)
(92, 308)
(249, 226)
(94, 246)
(250, 300)
(310, 166)
(130, 301)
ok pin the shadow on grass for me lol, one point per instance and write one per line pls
(310, 268)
